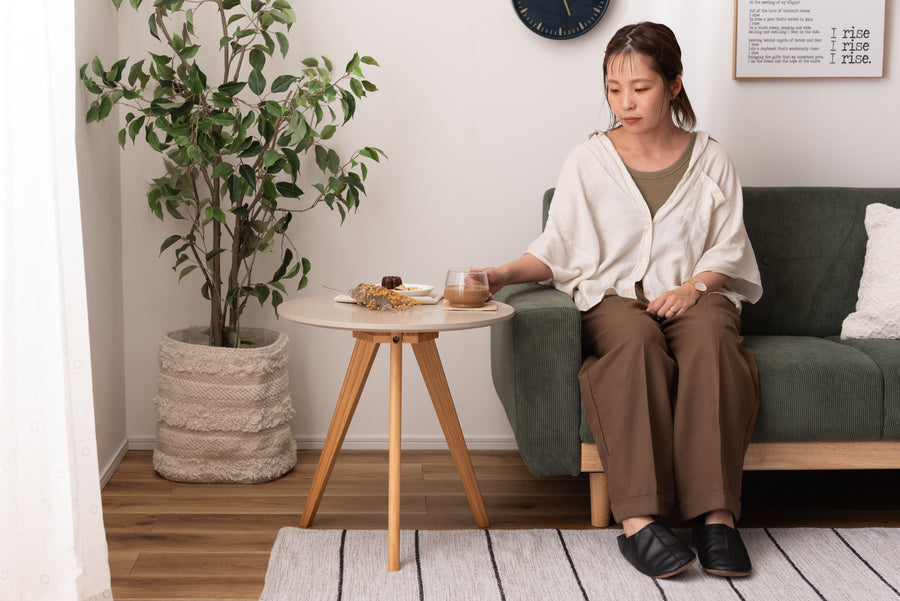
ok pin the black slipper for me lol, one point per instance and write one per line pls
(721, 550)
(655, 551)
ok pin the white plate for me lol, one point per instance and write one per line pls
(420, 289)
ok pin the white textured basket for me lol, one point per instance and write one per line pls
(223, 414)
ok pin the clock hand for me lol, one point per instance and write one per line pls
(567, 8)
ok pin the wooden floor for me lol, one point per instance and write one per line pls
(170, 540)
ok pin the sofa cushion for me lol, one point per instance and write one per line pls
(815, 389)
(810, 245)
(877, 312)
(886, 354)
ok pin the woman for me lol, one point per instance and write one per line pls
(646, 233)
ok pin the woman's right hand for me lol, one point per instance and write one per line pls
(526, 268)
(496, 278)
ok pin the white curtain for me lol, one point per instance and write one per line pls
(52, 544)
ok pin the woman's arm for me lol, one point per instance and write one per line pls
(526, 268)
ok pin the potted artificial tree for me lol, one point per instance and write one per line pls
(233, 139)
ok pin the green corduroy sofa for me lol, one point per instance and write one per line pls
(825, 403)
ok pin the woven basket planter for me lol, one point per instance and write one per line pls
(223, 414)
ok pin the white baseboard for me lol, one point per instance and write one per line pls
(370, 443)
(107, 471)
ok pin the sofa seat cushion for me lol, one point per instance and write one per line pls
(885, 353)
(815, 389)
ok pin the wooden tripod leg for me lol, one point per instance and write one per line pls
(436, 382)
(394, 434)
(357, 372)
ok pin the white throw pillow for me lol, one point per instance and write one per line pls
(877, 312)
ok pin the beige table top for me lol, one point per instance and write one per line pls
(325, 312)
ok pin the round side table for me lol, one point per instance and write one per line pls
(418, 327)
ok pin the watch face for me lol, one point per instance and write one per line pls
(560, 19)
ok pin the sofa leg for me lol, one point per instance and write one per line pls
(600, 514)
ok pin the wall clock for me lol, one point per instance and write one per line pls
(560, 19)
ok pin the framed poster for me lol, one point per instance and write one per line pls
(809, 38)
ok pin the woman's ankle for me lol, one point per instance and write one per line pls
(720, 516)
(632, 525)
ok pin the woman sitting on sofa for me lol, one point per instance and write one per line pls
(646, 233)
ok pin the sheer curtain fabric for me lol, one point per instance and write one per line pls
(52, 543)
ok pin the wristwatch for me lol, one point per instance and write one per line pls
(698, 286)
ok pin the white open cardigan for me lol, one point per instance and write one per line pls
(600, 238)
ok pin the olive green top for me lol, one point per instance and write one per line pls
(657, 186)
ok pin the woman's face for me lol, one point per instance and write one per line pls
(638, 95)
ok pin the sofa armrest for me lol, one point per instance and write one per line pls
(535, 358)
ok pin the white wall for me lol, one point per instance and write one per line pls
(477, 114)
(98, 173)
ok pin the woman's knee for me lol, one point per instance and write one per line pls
(628, 331)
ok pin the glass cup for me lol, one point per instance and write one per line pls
(466, 288)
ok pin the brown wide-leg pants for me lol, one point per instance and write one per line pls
(671, 403)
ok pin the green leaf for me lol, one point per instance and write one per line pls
(186, 271)
(357, 88)
(231, 88)
(97, 67)
(122, 137)
(169, 242)
(189, 52)
(273, 109)
(369, 61)
(256, 81)
(257, 59)
(288, 189)
(151, 25)
(248, 175)
(334, 161)
(310, 62)
(279, 273)
(293, 160)
(221, 101)
(353, 65)
(115, 72)
(277, 299)
(327, 132)
(303, 283)
(369, 153)
(322, 157)
(193, 152)
(135, 126)
(282, 83)
(269, 158)
(223, 170)
(93, 113)
(306, 265)
(136, 72)
(105, 107)
(213, 254)
(224, 119)
(216, 214)
(283, 44)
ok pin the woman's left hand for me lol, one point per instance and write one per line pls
(674, 302)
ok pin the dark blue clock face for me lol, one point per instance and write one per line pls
(560, 19)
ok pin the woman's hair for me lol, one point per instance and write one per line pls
(657, 42)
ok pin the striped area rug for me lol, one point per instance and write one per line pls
(790, 564)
